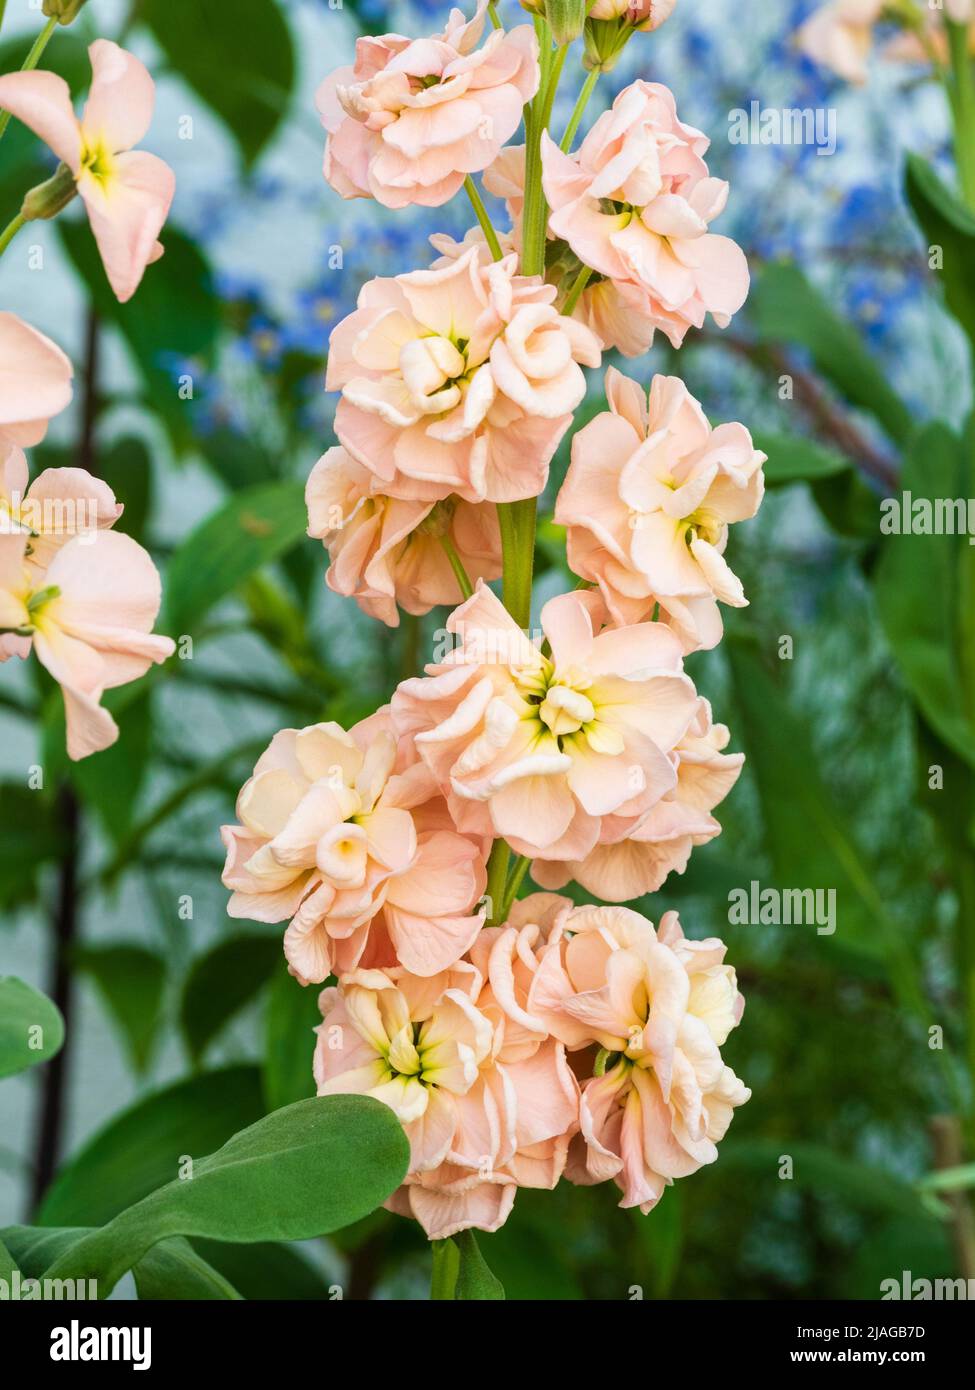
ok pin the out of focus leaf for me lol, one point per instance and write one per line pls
(109, 782)
(31, 1026)
(242, 66)
(793, 459)
(127, 469)
(170, 325)
(265, 1270)
(130, 978)
(661, 1236)
(948, 224)
(7, 1267)
(917, 595)
(785, 308)
(253, 528)
(823, 1171)
(144, 1146)
(289, 1042)
(809, 838)
(32, 836)
(949, 1179)
(221, 982)
(300, 1172)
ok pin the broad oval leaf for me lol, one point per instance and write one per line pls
(31, 1026)
(303, 1171)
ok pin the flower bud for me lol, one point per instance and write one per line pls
(638, 14)
(566, 19)
(48, 198)
(64, 11)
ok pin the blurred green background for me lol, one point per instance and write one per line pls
(202, 403)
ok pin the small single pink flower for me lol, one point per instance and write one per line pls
(344, 836)
(460, 379)
(35, 382)
(540, 749)
(650, 493)
(127, 192)
(386, 552)
(635, 203)
(629, 860)
(412, 118)
(89, 618)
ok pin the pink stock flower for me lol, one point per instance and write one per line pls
(641, 14)
(345, 835)
(60, 504)
(35, 382)
(658, 1008)
(647, 500)
(538, 749)
(839, 36)
(634, 204)
(89, 616)
(413, 117)
(386, 552)
(126, 192)
(632, 860)
(487, 1106)
(458, 379)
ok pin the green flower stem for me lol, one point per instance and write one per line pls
(493, 15)
(578, 285)
(456, 564)
(515, 881)
(490, 234)
(577, 111)
(517, 521)
(962, 96)
(3, 11)
(497, 882)
(32, 60)
(10, 231)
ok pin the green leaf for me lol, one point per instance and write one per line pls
(916, 583)
(793, 459)
(822, 1170)
(130, 978)
(32, 837)
(7, 1266)
(289, 1042)
(241, 65)
(661, 1235)
(31, 1026)
(174, 1270)
(265, 1270)
(301, 1172)
(474, 1279)
(949, 1179)
(947, 223)
(170, 1270)
(253, 528)
(143, 1147)
(809, 839)
(127, 468)
(785, 308)
(110, 782)
(169, 326)
(221, 982)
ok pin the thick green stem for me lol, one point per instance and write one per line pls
(31, 61)
(579, 108)
(497, 883)
(515, 880)
(517, 521)
(10, 231)
(456, 564)
(443, 1279)
(490, 235)
(962, 93)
